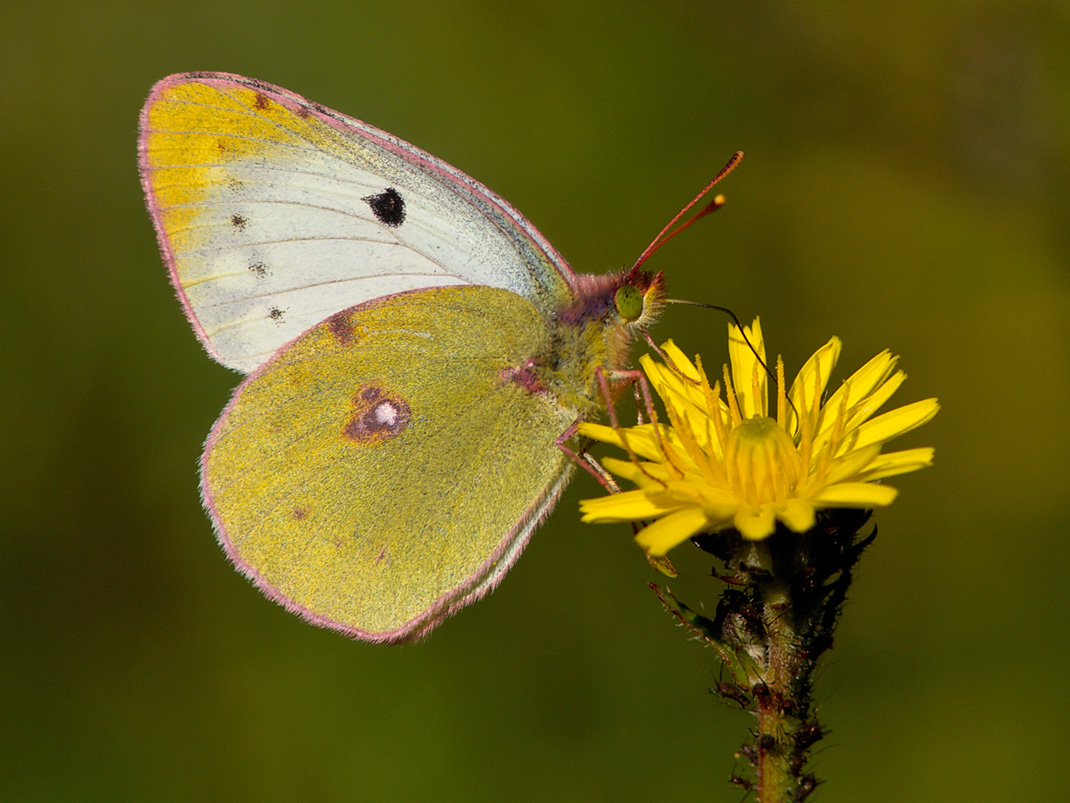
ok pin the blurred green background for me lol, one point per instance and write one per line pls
(907, 185)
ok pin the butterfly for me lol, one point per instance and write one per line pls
(418, 354)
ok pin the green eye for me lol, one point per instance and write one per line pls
(629, 302)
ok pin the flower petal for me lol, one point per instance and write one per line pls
(797, 514)
(600, 432)
(679, 360)
(850, 465)
(902, 462)
(674, 389)
(755, 524)
(861, 408)
(647, 475)
(895, 423)
(866, 379)
(856, 494)
(748, 376)
(625, 506)
(864, 399)
(641, 439)
(667, 532)
(811, 380)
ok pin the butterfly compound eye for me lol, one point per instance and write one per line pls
(629, 302)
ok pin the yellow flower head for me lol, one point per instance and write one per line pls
(724, 463)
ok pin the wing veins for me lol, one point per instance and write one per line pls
(340, 504)
(262, 517)
(295, 290)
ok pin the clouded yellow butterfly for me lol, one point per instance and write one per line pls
(415, 350)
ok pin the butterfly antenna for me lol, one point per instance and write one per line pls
(716, 203)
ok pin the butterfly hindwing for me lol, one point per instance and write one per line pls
(274, 213)
(385, 468)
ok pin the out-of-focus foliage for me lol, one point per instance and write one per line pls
(906, 186)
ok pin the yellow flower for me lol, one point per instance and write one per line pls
(725, 463)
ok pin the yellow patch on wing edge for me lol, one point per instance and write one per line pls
(198, 133)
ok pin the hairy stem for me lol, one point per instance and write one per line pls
(773, 622)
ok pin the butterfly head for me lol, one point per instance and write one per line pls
(627, 302)
(639, 298)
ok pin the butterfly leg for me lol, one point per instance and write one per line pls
(587, 462)
(643, 400)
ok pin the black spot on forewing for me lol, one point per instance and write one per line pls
(239, 222)
(259, 268)
(276, 314)
(388, 207)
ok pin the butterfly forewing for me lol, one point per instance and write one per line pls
(274, 213)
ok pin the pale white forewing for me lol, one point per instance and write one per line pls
(273, 213)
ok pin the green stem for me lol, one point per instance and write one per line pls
(773, 622)
(782, 700)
